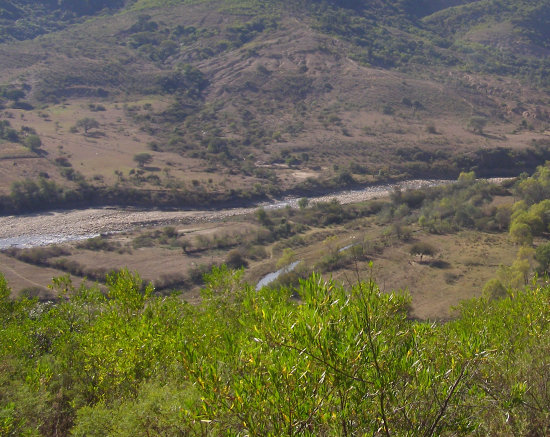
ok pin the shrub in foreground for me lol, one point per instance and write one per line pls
(316, 359)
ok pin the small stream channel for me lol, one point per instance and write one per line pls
(270, 277)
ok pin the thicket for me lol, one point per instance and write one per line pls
(26, 136)
(530, 215)
(465, 204)
(56, 257)
(44, 194)
(335, 361)
(22, 19)
(432, 27)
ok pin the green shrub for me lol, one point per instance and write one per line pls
(274, 361)
(235, 259)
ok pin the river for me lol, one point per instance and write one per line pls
(61, 226)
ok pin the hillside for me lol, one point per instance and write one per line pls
(180, 102)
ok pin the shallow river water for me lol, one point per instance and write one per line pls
(60, 226)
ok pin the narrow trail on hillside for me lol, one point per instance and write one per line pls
(14, 272)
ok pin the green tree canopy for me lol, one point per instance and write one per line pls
(33, 142)
(87, 123)
(143, 158)
(477, 124)
(422, 248)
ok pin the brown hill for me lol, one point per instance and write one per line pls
(254, 98)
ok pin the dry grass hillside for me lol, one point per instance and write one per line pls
(259, 97)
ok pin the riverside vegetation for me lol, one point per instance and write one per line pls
(442, 244)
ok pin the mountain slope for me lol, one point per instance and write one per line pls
(251, 98)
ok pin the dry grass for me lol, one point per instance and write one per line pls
(463, 262)
(342, 117)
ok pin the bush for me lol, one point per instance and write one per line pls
(494, 289)
(235, 259)
(521, 234)
(143, 240)
(143, 158)
(542, 256)
(134, 363)
(476, 124)
(33, 142)
(196, 273)
(38, 255)
(98, 243)
(257, 253)
(423, 249)
(388, 110)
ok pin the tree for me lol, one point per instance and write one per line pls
(143, 158)
(263, 218)
(87, 123)
(288, 257)
(502, 216)
(33, 142)
(493, 289)
(521, 233)
(476, 124)
(303, 203)
(423, 249)
(235, 259)
(83, 7)
(466, 178)
(542, 255)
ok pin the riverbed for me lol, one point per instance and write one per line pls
(61, 226)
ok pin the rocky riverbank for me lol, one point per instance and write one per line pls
(59, 226)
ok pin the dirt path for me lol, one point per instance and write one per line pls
(14, 272)
(21, 275)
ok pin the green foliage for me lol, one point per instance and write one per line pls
(466, 179)
(99, 243)
(493, 289)
(476, 124)
(542, 256)
(288, 257)
(536, 188)
(521, 233)
(235, 259)
(33, 142)
(87, 123)
(186, 81)
(27, 193)
(457, 206)
(303, 203)
(12, 93)
(25, 20)
(341, 361)
(263, 217)
(422, 248)
(531, 215)
(7, 132)
(143, 158)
